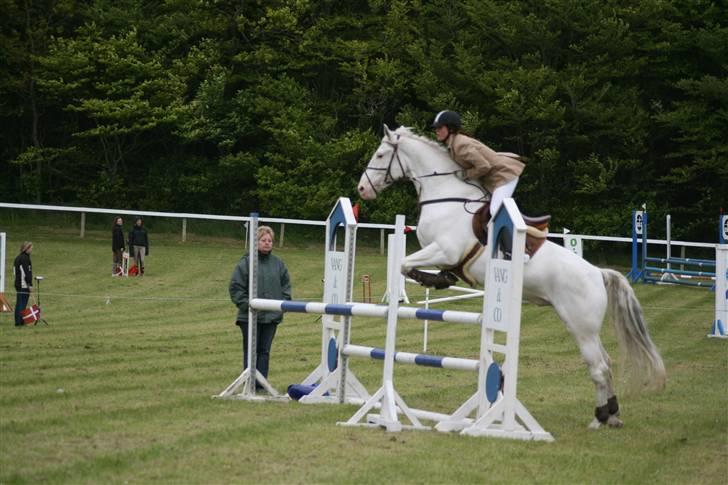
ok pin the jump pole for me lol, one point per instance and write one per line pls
(250, 376)
(638, 217)
(4, 305)
(719, 329)
(402, 280)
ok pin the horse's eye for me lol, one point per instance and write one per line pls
(379, 155)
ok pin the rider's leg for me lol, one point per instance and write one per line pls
(501, 193)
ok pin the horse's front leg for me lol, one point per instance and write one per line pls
(430, 255)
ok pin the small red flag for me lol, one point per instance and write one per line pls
(355, 210)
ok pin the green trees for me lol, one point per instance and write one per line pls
(276, 106)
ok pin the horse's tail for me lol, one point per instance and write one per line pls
(647, 369)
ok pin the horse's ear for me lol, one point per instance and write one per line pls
(388, 132)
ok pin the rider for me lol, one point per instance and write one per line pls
(497, 172)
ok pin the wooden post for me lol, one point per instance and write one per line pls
(184, 229)
(282, 235)
(83, 224)
(381, 241)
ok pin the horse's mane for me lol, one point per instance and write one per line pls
(408, 133)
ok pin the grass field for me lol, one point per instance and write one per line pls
(117, 388)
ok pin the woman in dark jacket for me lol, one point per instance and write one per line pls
(139, 244)
(117, 245)
(23, 269)
(273, 283)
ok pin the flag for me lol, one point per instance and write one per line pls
(30, 315)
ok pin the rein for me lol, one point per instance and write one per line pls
(389, 179)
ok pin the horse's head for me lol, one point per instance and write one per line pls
(384, 168)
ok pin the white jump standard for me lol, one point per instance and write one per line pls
(719, 329)
(334, 382)
(250, 376)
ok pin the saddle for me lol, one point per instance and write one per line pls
(536, 232)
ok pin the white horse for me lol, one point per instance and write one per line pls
(579, 292)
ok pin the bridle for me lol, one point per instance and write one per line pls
(389, 179)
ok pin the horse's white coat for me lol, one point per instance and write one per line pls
(578, 291)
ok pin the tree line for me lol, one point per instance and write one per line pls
(227, 106)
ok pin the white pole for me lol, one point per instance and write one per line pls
(426, 323)
(668, 238)
(2, 262)
(389, 409)
(402, 281)
(667, 276)
(252, 313)
(720, 323)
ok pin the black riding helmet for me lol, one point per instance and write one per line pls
(451, 119)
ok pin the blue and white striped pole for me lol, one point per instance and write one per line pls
(366, 310)
(425, 360)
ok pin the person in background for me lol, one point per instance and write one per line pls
(117, 245)
(139, 244)
(497, 172)
(273, 283)
(23, 269)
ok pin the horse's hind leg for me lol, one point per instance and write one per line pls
(597, 361)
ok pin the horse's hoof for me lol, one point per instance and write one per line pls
(595, 424)
(614, 422)
(444, 279)
(441, 285)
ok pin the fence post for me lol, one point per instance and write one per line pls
(83, 224)
(184, 229)
(283, 233)
(381, 241)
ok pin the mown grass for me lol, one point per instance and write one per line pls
(117, 388)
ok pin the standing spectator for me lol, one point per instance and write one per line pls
(274, 283)
(23, 269)
(139, 244)
(117, 246)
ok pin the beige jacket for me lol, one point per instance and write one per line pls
(491, 169)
